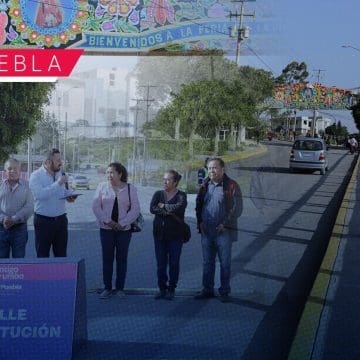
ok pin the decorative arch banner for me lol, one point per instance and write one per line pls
(308, 96)
(126, 26)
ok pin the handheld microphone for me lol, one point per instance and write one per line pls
(66, 183)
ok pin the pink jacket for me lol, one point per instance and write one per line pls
(104, 201)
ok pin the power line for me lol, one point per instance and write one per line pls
(147, 99)
(318, 71)
(259, 57)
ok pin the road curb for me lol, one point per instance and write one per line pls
(234, 157)
(308, 328)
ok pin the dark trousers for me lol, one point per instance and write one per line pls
(51, 232)
(114, 244)
(168, 254)
(14, 240)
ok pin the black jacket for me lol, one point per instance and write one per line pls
(165, 226)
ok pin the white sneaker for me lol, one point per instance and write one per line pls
(105, 294)
(120, 293)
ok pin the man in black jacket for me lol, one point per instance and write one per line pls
(218, 205)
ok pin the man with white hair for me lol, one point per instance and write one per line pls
(16, 206)
(218, 205)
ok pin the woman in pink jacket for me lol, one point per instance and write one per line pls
(115, 206)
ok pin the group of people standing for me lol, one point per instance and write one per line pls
(116, 206)
(44, 196)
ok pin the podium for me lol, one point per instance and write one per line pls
(42, 308)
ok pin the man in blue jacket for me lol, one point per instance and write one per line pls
(218, 206)
(203, 172)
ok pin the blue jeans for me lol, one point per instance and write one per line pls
(13, 239)
(168, 255)
(114, 244)
(211, 246)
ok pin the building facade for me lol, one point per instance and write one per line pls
(93, 103)
(302, 125)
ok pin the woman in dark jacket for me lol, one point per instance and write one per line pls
(168, 205)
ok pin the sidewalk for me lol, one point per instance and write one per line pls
(330, 324)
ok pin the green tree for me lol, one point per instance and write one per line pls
(337, 131)
(258, 83)
(293, 73)
(48, 130)
(167, 75)
(204, 108)
(21, 108)
(276, 117)
(248, 85)
(355, 111)
(341, 131)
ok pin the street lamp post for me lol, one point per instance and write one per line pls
(29, 160)
(66, 120)
(65, 139)
(134, 153)
(294, 125)
(134, 145)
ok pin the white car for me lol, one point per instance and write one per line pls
(309, 153)
(80, 182)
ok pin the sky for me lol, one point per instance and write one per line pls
(312, 31)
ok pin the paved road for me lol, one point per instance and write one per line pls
(284, 230)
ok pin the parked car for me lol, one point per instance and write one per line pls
(80, 182)
(309, 153)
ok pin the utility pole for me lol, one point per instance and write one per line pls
(29, 158)
(147, 99)
(241, 32)
(148, 103)
(318, 71)
(134, 148)
(313, 123)
(137, 109)
(65, 139)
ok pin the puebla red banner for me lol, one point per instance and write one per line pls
(38, 62)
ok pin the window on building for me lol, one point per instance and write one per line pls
(88, 108)
(111, 115)
(66, 99)
(222, 134)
